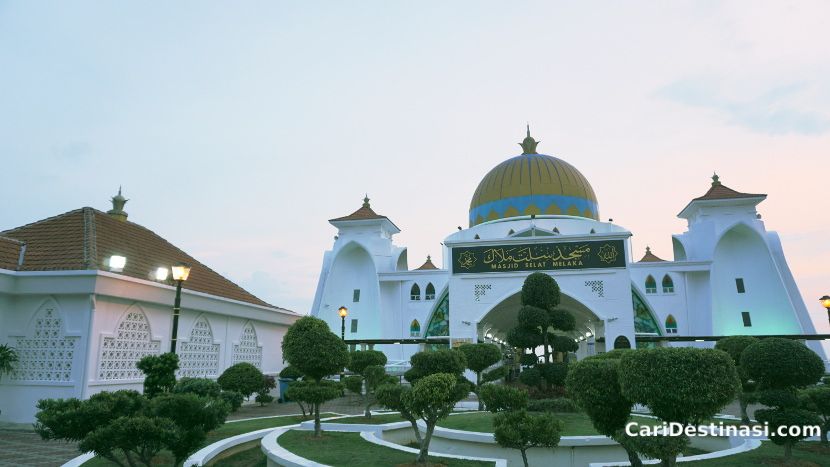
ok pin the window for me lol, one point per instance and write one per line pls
(671, 325)
(739, 283)
(651, 285)
(356, 295)
(747, 319)
(354, 325)
(415, 328)
(622, 342)
(415, 292)
(668, 284)
(430, 292)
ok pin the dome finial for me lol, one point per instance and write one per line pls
(529, 144)
(366, 200)
(648, 249)
(715, 179)
(118, 203)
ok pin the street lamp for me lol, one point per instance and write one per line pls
(180, 273)
(343, 312)
(825, 302)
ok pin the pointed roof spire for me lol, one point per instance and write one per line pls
(118, 203)
(366, 201)
(529, 144)
(650, 257)
(715, 179)
(427, 265)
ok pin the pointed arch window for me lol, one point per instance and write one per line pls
(415, 328)
(671, 325)
(430, 292)
(668, 284)
(651, 285)
(415, 292)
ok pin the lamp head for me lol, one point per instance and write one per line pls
(343, 311)
(825, 301)
(181, 271)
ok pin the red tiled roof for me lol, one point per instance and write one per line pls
(650, 257)
(719, 191)
(85, 238)
(427, 265)
(365, 212)
(9, 252)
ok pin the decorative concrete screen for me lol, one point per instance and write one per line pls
(199, 356)
(132, 342)
(45, 353)
(248, 348)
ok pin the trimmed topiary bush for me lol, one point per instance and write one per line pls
(522, 430)
(559, 404)
(531, 376)
(501, 398)
(263, 395)
(243, 378)
(204, 387)
(777, 363)
(233, 399)
(159, 373)
(290, 372)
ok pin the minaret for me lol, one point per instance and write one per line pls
(117, 211)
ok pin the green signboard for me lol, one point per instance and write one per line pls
(539, 256)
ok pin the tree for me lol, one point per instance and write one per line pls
(594, 385)
(431, 399)
(817, 400)
(369, 365)
(392, 397)
(360, 359)
(263, 395)
(734, 346)
(310, 347)
(781, 366)
(679, 384)
(480, 357)
(243, 378)
(521, 430)
(159, 373)
(192, 416)
(136, 438)
(8, 357)
(204, 387)
(536, 320)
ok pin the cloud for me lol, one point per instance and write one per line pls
(776, 110)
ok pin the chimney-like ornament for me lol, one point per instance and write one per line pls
(117, 210)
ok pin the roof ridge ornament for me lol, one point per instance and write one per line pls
(366, 201)
(118, 203)
(715, 179)
(529, 144)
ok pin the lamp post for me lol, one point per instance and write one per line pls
(343, 312)
(825, 302)
(180, 273)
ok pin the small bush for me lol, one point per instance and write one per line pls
(529, 359)
(551, 392)
(263, 395)
(159, 373)
(204, 387)
(500, 398)
(233, 398)
(243, 378)
(554, 373)
(560, 404)
(531, 377)
(354, 384)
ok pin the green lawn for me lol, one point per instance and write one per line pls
(374, 420)
(574, 424)
(225, 431)
(805, 454)
(250, 457)
(349, 449)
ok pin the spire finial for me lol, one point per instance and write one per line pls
(715, 179)
(429, 258)
(529, 144)
(118, 202)
(648, 250)
(366, 201)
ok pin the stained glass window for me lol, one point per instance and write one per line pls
(439, 323)
(671, 325)
(651, 285)
(644, 322)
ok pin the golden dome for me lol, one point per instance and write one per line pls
(532, 184)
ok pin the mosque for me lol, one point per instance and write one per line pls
(535, 212)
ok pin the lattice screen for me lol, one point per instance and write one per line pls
(199, 356)
(132, 341)
(248, 348)
(46, 353)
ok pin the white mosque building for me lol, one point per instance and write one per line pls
(535, 212)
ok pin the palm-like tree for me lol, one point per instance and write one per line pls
(8, 357)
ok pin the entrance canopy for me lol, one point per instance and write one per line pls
(504, 316)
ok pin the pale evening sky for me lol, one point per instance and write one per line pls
(238, 128)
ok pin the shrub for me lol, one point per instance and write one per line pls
(159, 373)
(494, 375)
(354, 384)
(777, 363)
(204, 387)
(480, 357)
(531, 376)
(784, 417)
(430, 362)
(8, 357)
(289, 372)
(314, 394)
(559, 404)
(360, 359)
(233, 399)
(817, 400)
(431, 399)
(263, 395)
(521, 430)
(500, 398)
(243, 378)
(529, 359)
(735, 346)
(193, 417)
(554, 373)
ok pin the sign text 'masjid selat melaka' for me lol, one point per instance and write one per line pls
(539, 256)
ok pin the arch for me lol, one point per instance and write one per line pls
(248, 349)
(199, 356)
(131, 341)
(45, 353)
(429, 294)
(414, 328)
(415, 292)
(651, 284)
(644, 317)
(679, 249)
(671, 325)
(439, 320)
(668, 284)
(622, 342)
(402, 264)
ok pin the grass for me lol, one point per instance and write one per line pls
(374, 420)
(805, 454)
(225, 431)
(251, 456)
(349, 449)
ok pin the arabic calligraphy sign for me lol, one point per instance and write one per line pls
(539, 256)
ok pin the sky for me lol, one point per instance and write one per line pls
(238, 128)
